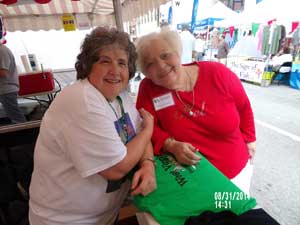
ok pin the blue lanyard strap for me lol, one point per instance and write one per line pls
(121, 121)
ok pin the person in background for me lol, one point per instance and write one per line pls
(201, 106)
(9, 86)
(199, 48)
(283, 56)
(223, 50)
(90, 138)
(214, 36)
(164, 25)
(188, 44)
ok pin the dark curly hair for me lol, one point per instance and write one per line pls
(97, 40)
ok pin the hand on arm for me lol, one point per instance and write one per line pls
(183, 152)
(144, 181)
(135, 150)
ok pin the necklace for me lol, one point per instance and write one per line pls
(187, 107)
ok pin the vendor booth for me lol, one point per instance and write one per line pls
(251, 70)
(295, 76)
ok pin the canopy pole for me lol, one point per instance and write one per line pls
(118, 15)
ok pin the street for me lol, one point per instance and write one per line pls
(276, 178)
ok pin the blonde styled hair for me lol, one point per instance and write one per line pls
(169, 36)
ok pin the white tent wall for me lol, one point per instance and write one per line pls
(182, 12)
(249, 5)
(218, 10)
(280, 10)
(283, 11)
(54, 49)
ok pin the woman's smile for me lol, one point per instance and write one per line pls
(166, 73)
(112, 80)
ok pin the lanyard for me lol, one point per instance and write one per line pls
(121, 121)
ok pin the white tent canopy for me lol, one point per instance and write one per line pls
(218, 10)
(236, 20)
(280, 10)
(33, 16)
(287, 10)
(245, 47)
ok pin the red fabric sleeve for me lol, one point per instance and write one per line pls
(144, 100)
(243, 105)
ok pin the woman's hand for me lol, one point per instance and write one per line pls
(183, 152)
(144, 180)
(148, 122)
(252, 150)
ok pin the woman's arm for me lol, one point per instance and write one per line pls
(247, 125)
(144, 100)
(252, 150)
(135, 149)
(144, 180)
(184, 152)
(3, 73)
(243, 106)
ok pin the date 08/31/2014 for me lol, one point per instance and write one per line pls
(223, 199)
(230, 196)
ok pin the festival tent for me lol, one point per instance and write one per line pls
(207, 17)
(218, 10)
(46, 14)
(264, 11)
(236, 20)
(280, 10)
(245, 47)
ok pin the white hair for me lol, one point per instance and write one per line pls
(169, 36)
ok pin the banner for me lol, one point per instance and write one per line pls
(194, 15)
(170, 15)
(68, 22)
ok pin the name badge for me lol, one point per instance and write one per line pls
(163, 101)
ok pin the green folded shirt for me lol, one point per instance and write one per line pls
(184, 191)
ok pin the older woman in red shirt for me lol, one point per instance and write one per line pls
(200, 106)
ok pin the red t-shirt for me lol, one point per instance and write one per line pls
(222, 123)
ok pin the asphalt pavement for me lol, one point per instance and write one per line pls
(276, 178)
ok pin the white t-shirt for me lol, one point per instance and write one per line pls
(188, 45)
(77, 140)
(199, 45)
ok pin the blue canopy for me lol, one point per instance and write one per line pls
(201, 24)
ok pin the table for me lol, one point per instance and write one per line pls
(34, 96)
(37, 83)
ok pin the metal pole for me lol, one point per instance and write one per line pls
(118, 14)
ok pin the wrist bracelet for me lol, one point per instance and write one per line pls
(150, 159)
